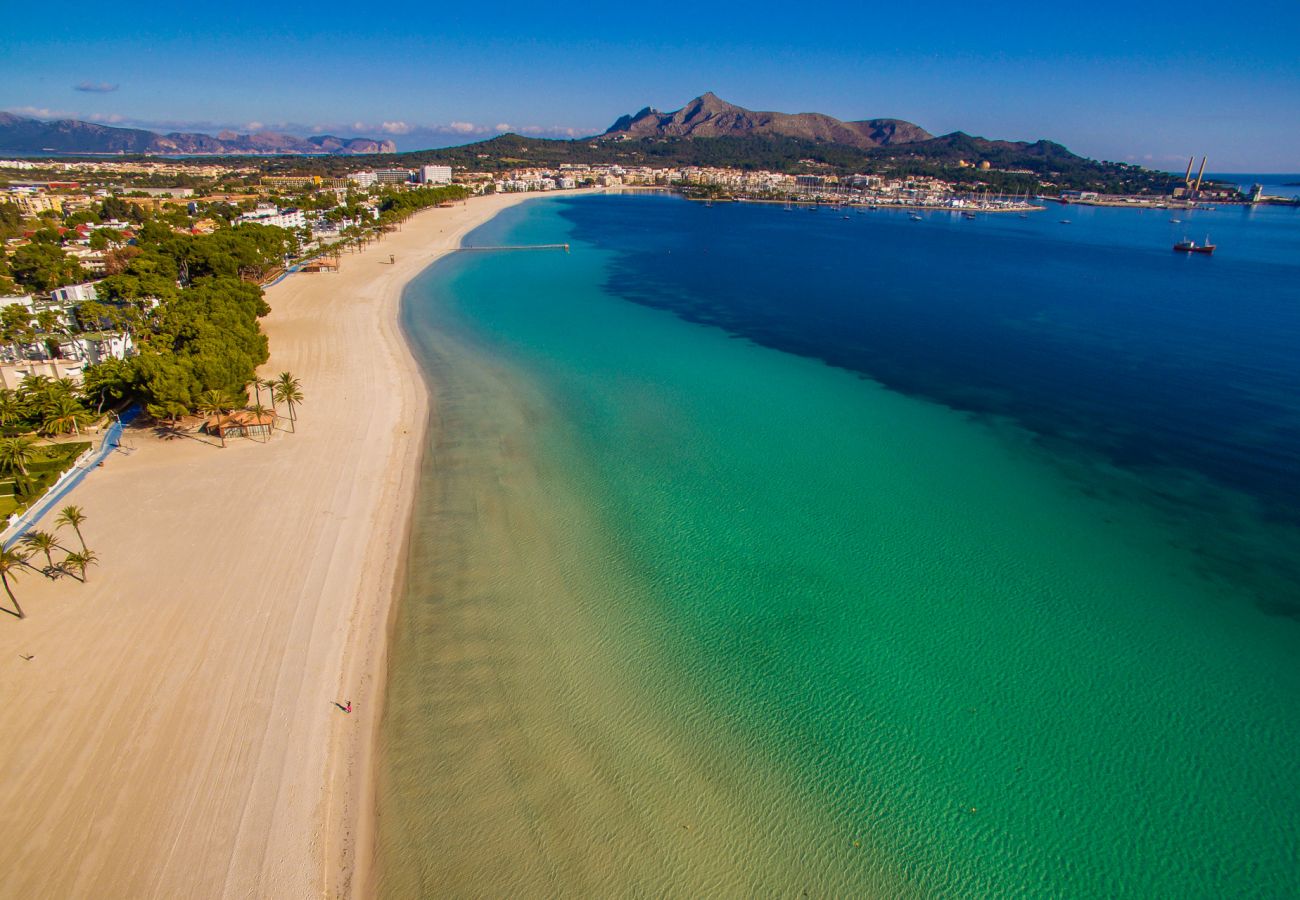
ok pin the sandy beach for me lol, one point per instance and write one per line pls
(174, 733)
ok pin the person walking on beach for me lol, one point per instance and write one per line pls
(346, 709)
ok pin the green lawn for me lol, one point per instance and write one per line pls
(49, 463)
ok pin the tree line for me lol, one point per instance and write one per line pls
(194, 302)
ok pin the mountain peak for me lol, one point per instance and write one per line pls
(708, 115)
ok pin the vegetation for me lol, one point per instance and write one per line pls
(74, 562)
(77, 562)
(43, 542)
(288, 390)
(192, 303)
(43, 266)
(74, 518)
(31, 469)
(46, 405)
(1040, 164)
(11, 561)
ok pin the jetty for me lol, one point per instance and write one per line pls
(494, 248)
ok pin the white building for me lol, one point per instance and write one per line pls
(74, 294)
(266, 214)
(92, 349)
(12, 374)
(363, 179)
(23, 300)
(433, 175)
(392, 176)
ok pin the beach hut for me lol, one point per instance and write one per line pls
(241, 423)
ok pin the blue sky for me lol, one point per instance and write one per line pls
(1140, 82)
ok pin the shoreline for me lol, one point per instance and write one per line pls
(355, 872)
(171, 730)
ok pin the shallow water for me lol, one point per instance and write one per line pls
(688, 614)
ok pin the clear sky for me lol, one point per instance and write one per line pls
(1136, 81)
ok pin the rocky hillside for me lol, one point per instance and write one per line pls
(709, 116)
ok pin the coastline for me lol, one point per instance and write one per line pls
(352, 777)
(172, 733)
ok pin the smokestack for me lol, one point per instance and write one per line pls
(1187, 176)
(1201, 173)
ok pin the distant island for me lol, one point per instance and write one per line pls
(25, 135)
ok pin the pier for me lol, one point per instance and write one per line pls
(564, 247)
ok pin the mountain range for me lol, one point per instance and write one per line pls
(20, 134)
(709, 116)
(708, 131)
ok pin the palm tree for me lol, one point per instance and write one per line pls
(34, 390)
(43, 541)
(64, 415)
(10, 409)
(270, 389)
(261, 411)
(215, 403)
(10, 562)
(15, 454)
(75, 518)
(80, 562)
(288, 390)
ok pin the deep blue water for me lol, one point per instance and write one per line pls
(1181, 370)
(1094, 332)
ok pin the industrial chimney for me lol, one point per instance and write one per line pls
(1201, 173)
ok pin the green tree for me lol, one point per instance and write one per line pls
(16, 327)
(41, 266)
(42, 541)
(112, 380)
(11, 220)
(48, 321)
(81, 217)
(269, 384)
(65, 416)
(216, 403)
(74, 518)
(116, 209)
(11, 561)
(16, 453)
(288, 391)
(261, 412)
(80, 562)
(11, 410)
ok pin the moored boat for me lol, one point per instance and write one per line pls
(1186, 246)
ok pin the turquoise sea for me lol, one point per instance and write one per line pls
(780, 553)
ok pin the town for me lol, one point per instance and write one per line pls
(71, 227)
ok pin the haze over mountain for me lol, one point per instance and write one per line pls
(710, 116)
(20, 134)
